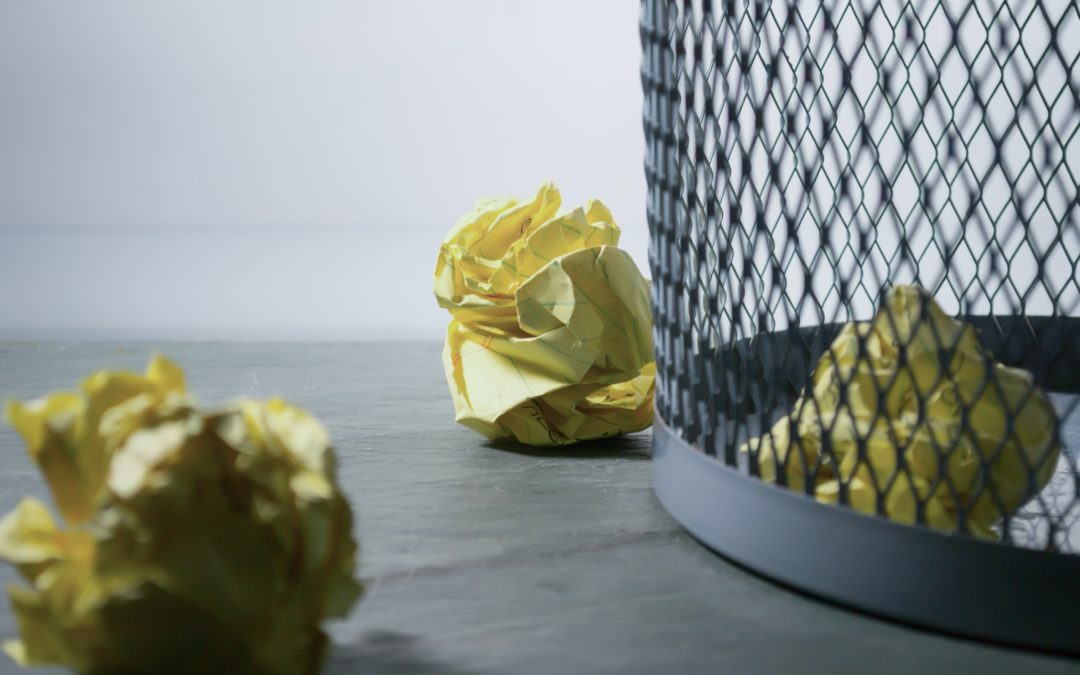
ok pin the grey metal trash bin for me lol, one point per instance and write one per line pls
(804, 157)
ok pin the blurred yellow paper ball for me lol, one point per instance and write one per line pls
(192, 541)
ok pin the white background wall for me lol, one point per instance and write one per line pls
(271, 169)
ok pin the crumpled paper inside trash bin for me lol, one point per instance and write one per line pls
(926, 369)
(189, 541)
(551, 336)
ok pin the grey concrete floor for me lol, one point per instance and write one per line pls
(484, 559)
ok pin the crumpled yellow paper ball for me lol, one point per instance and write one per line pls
(190, 541)
(926, 369)
(551, 337)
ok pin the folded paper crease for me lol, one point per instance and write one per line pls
(550, 340)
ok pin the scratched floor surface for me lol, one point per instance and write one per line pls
(499, 560)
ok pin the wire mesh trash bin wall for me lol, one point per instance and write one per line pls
(864, 249)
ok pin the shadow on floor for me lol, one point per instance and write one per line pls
(387, 653)
(637, 447)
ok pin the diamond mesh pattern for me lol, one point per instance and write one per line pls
(806, 156)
